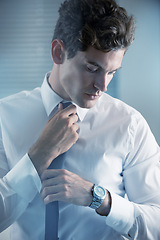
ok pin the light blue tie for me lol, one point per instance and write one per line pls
(52, 209)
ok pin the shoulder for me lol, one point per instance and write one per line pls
(20, 107)
(117, 115)
(22, 97)
(20, 102)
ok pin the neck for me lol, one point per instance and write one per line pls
(51, 79)
(54, 83)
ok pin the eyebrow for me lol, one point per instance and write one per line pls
(97, 65)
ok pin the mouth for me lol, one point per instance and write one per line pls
(93, 96)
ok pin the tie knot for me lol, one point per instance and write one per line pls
(66, 103)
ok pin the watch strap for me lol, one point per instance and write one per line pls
(97, 200)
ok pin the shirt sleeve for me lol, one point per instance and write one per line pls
(17, 189)
(137, 217)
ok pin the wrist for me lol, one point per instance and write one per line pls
(40, 159)
(98, 194)
(105, 207)
(101, 200)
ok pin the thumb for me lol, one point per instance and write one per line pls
(60, 107)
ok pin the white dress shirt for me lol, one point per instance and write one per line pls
(115, 149)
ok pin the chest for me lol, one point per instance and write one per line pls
(98, 155)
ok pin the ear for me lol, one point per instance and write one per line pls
(58, 51)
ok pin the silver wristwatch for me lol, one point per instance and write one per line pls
(99, 194)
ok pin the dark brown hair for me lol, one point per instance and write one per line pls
(101, 24)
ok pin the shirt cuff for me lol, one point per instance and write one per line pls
(24, 179)
(121, 216)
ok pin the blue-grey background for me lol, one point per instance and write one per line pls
(26, 29)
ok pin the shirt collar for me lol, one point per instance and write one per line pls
(81, 112)
(51, 99)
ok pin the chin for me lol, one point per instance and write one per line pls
(88, 104)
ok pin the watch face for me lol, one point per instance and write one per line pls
(99, 191)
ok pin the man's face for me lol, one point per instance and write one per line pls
(85, 77)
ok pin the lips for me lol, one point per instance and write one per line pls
(93, 96)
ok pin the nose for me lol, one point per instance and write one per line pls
(101, 82)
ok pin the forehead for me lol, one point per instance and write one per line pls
(106, 60)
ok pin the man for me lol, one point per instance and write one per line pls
(103, 148)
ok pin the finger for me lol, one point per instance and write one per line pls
(71, 109)
(53, 197)
(53, 193)
(76, 128)
(74, 136)
(74, 118)
(52, 173)
(53, 181)
(60, 107)
(51, 190)
(49, 173)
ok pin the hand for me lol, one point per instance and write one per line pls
(62, 185)
(58, 136)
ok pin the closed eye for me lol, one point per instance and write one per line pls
(91, 68)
